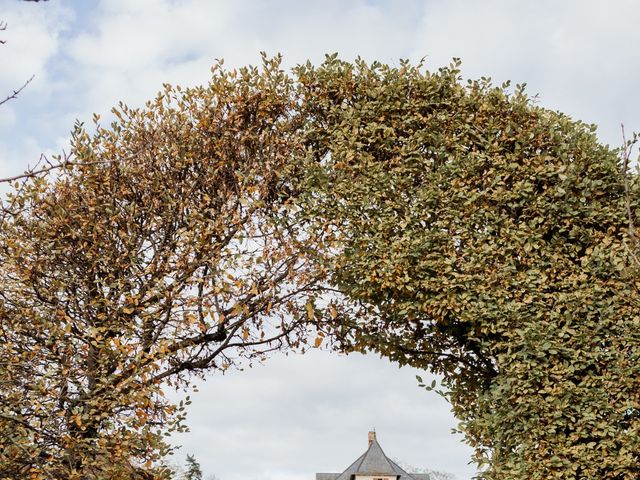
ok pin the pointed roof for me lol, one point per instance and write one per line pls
(374, 462)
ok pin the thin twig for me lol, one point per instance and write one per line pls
(33, 173)
(626, 155)
(66, 162)
(3, 26)
(16, 92)
(55, 166)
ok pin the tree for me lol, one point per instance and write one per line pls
(193, 469)
(486, 239)
(433, 474)
(158, 255)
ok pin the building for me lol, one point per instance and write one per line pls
(373, 465)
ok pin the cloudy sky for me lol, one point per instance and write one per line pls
(298, 415)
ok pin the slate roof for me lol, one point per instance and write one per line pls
(373, 462)
(334, 476)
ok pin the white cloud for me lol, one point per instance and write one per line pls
(134, 47)
(7, 116)
(32, 36)
(578, 55)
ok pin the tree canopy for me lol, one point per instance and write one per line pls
(491, 241)
(157, 255)
(456, 227)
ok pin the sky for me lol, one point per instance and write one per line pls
(298, 415)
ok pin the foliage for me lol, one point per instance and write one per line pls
(466, 230)
(486, 239)
(433, 474)
(194, 472)
(158, 255)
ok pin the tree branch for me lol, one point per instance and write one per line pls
(15, 93)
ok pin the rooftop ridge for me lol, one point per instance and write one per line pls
(374, 462)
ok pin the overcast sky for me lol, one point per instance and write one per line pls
(298, 415)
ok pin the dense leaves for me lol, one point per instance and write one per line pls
(486, 239)
(157, 256)
(463, 230)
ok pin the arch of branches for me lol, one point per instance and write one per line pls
(452, 226)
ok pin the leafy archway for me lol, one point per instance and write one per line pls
(456, 227)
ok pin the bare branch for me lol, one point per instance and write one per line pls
(55, 166)
(627, 148)
(15, 93)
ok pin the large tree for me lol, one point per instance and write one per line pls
(156, 254)
(491, 241)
